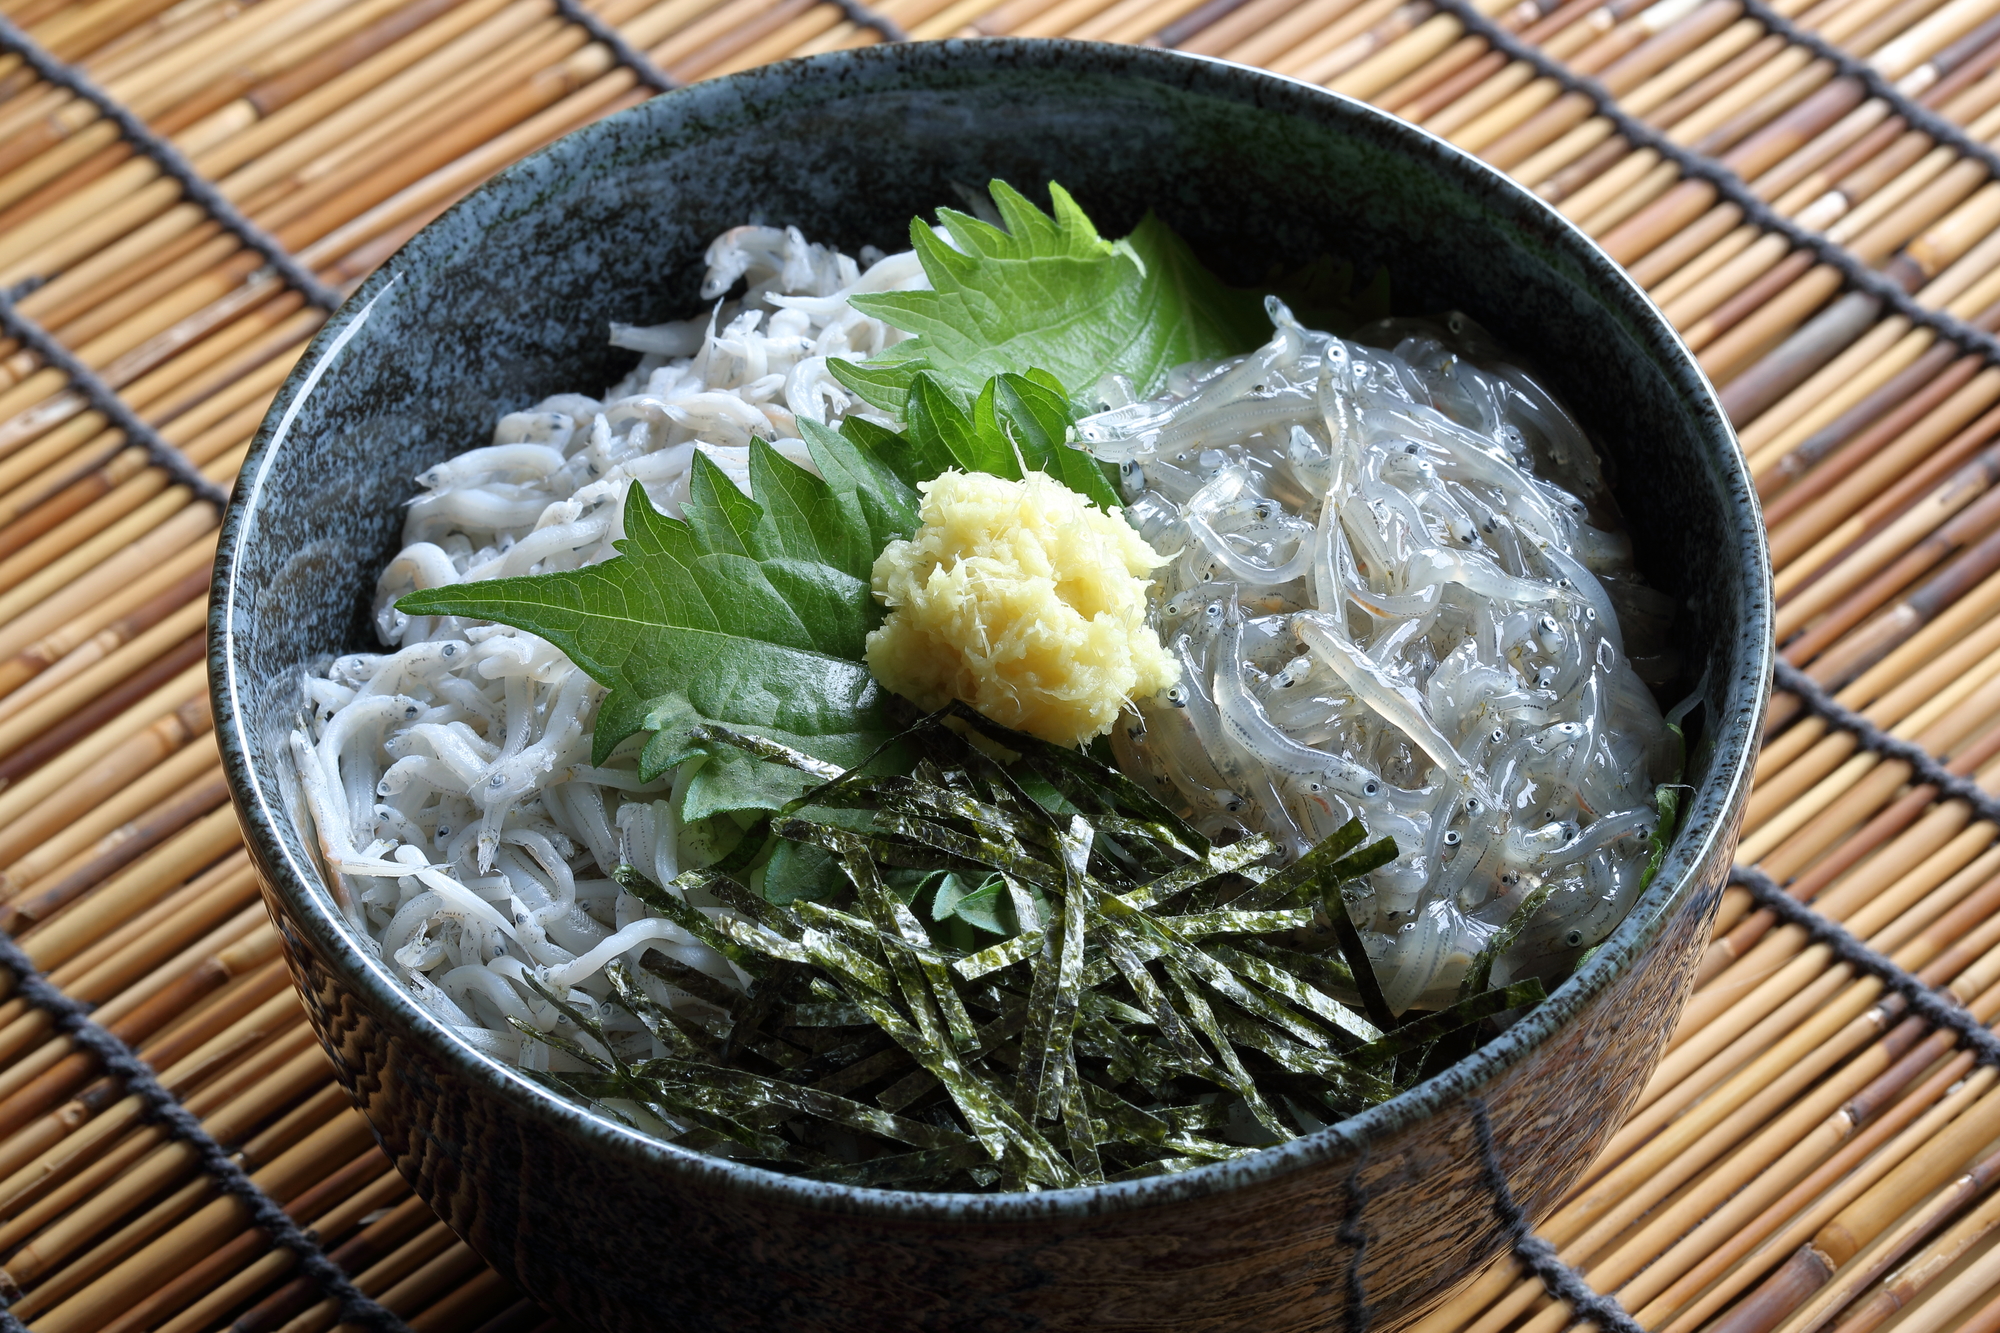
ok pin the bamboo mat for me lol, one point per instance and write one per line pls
(1806, 189)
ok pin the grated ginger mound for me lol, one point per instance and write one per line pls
(1022, 600)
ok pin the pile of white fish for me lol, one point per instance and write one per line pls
(1389, 599)
(449, 778)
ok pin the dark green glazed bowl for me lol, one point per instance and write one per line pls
(506, 299)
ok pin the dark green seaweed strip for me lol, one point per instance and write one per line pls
(598, 1086)
(967, 848)
(989, 826)
(905, 1090)
(822, 1015)
(805, 1101)
(1118, 826)
(586, 1023)
(746, 1033)
(864, 1071)
(1329, 972)
(1372, 857)
(1129, 1055)
(1240, 1082)
(733, 895)
(716, 1109)
(925, 799)
(1074, 849)
(836, 955)
(1336, 1077)
(1039, 1037)
(1207, 1150)
(1083, 1131)
(1164, 1166)
(1429, 1028)
(1346, 1023)
(1085, 782)
(886, 851)
(1219, 978)
(1227, 921)
(662, 1022)
(1002, 955)
(1295, 880)
(768, 750)
(923, 976)
(1479, 975)
(694, 981)
(1012, 1141)
(1237, 858)
(676, 909)
(576, 1050)
(1154, 1001)
(1358, 962)
(1121, 1121)
(928, 1167)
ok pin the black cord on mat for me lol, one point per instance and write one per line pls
(1923, 765)
(626, 54)
(105, 399)
(1914, 113)
(875, 20)
(72, 1018)
(1535, 1254)
(1727, 184)
(171, 164)
(1925, 1002)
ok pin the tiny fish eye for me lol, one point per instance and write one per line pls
(1574, 938)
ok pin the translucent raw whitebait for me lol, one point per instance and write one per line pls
(1442, 653)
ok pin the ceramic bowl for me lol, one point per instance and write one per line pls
(506, 298)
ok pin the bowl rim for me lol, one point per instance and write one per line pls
(1710, 814)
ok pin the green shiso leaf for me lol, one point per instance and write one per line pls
(1049, 291)
(749, 613)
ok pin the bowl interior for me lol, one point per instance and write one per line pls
(506, 299)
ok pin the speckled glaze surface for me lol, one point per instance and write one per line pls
(506, 298)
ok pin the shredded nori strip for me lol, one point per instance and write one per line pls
(1163, 1002)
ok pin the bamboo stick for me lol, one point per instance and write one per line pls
(1909, 1280)
(476, 1298)
(1671, 1223)
(1845, 1176)
(1870, 1215)
(379, 1241)
(222, 1279)
(448, 1270)
(169, 777)
(378, 1279)
(186, 1241)
(131, 744)
(60, 938)
(1787, 1136)
(63, 1163)
(70, 1217)
(114, 851)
